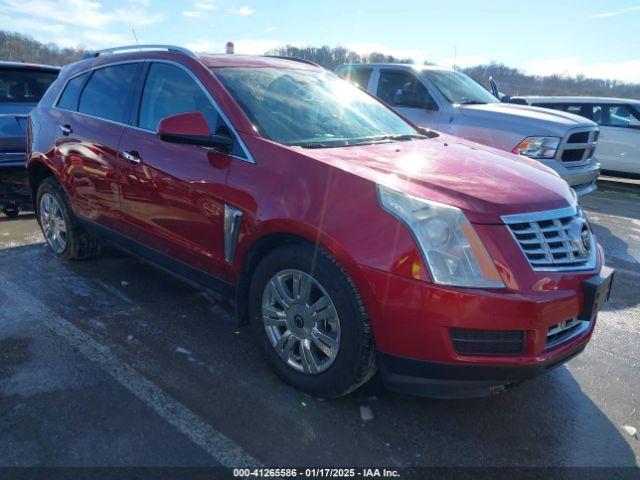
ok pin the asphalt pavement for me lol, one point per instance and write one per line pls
(112, 363)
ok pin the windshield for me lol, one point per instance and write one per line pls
(457, 87)
(18, 85)
(311, 109)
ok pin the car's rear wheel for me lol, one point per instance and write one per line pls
(310, 321)
(61, 229)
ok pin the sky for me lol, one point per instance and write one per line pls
(594, 38)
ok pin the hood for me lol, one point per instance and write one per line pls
(524, 119)
(481, 181)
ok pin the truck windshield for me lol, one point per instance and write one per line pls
(458, 88)
(20, 85)
(312, 109)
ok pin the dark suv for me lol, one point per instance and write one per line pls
(348, 237)
(22, 85)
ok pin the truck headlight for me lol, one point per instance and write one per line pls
(538, 147)
(449, 244)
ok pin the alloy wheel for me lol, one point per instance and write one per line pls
(52, 221)
(301, 321)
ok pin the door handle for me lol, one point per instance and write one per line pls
(66, 130)
(132, 157)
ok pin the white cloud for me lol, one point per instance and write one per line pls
(417, 54)
(192, 14)
(88, 14)
(91, 23)
(205, 5)
(24, 24)
(615, 13)
(242, 11)
(625, 70)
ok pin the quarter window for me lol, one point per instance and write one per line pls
(71, 94)
(403, 89)
(106, 94)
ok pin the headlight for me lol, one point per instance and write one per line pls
(538, 147)
(449, 244)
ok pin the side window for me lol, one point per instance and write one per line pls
(619, 116)
(106, 94)
(359, 76)
(169, 90)
(71, 94)
(403, 89)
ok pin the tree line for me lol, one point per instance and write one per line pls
(22, 48)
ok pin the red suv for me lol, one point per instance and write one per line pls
(349, 239)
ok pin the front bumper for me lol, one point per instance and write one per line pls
(581, 178)
(414, 324)
(448, 381)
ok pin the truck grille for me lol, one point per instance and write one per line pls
(555, 239)
(578, 146)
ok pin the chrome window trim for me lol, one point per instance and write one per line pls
(249, 158)
(572, 210)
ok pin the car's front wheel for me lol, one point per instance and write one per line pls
(60, 227)
(311, 322)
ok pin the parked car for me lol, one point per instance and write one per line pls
(619, 121)
(345, 236)
(451, 102)
(21, 88)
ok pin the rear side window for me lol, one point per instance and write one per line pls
(403, 89)
(359, 76)
(169, 90)
(22, 85)
(71, 94)
(106, 94)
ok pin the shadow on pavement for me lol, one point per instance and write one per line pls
(192, 349)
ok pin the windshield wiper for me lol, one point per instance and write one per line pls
(391, 138)
(322, 145)
(472, 102)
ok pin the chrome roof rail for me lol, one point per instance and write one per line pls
(138, 48)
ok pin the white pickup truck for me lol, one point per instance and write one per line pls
(451, 102)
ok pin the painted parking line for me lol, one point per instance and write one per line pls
(222, 449)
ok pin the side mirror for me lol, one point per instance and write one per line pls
(191, 128)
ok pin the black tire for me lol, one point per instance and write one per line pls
(11, 212)
(80, 245)
(355, 361)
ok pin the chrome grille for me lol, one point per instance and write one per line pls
(555, 239)
(578, 146)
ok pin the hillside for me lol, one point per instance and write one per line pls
(22, 48)
(15, 47)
